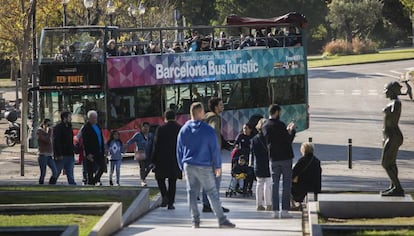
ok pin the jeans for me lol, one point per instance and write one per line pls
(202, 177)
(281, 168)
(218, 181)
(263, 191)
(68, 164)
(115, 164)
(46, 160)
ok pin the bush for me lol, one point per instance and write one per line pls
(363, 46)
(337, 47)
(342, 47)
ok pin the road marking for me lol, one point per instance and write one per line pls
(388, 75)
(356, 92)
(339, 92)
(396, 72)
(322, 92)
(372, 92)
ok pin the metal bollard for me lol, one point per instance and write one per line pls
(350, 153)
(310, 139)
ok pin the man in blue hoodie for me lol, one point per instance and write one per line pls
(197, 152)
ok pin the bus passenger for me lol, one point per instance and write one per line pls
(293, 39)
(111, 48)
(205, 44)
(153, 48)
(97, 52)
(62, 54)
(87, 52)
(124, 51)
(177, 47)
(166, 47)
(194, 44)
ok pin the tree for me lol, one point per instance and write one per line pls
(354, 18)
(409, 4)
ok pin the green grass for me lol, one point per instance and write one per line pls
(389, 55)
(396, 221)
(84, 222)
(64, 194)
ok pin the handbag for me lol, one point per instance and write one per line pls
(140, 155)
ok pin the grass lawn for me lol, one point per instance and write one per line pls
(84, 222)
(64, 194)
(397, 221)
(388, 55)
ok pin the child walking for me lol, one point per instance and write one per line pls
(114, 147)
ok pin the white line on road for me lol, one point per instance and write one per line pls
(388, 75)
(396, 72)
(356, 92)
(339, 92)
(372, 92)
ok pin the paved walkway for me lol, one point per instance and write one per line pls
(366, 175)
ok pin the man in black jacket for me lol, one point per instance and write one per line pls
(94, 147)
(165, 160)
(279, 140)
(63, 146)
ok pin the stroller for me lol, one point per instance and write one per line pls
(242, 178)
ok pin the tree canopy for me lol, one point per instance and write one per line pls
(354, 18)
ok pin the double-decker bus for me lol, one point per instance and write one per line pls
(249, 63)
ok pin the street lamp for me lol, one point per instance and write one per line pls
(88, 5)
(110, 8)
(64, 3)
(141, 11)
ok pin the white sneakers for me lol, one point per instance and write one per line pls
(143, 183)
(281, 215)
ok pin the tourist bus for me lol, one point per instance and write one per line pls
(249, 63)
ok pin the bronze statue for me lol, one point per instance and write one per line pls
(392, 138)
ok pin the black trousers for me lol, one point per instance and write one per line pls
(95, 169)
(168, 195)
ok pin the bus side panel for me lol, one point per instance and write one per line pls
(176, 68)
(233, 120)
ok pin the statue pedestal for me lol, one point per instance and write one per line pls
(364, 206)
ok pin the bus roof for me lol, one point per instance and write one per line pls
(289, 18)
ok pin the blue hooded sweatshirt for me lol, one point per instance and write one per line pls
(197, 144)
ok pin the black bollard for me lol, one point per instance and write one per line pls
(350, 153)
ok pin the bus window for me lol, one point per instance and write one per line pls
(177, 97)
(148, 101)
(244, 94)
(287, 90)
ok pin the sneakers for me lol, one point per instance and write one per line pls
(143, 183)
(276, 215)
(227, 225)
(111, 183)
(196, 225)
(260, 208)
(225, 210)
(171, 207)
(268, 207)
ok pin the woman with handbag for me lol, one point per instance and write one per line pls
(306, 175)
(143, 147)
